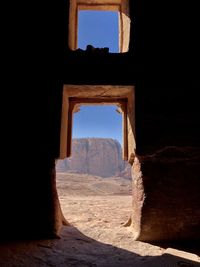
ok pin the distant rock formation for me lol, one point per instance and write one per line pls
(96, 156)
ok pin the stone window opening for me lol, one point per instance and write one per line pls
(76, 95)
(120, 6)
(76, 103)
(121, 95)
(97, 143)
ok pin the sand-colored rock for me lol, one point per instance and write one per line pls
(96, 156)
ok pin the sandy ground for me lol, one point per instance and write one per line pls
(97, 209)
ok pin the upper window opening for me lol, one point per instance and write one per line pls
(99, 29)
(99, 23)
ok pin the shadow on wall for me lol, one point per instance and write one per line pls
(76, 249)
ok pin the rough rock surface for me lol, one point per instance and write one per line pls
(96, 156)
(166, 195)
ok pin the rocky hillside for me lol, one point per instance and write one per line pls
(95, 156)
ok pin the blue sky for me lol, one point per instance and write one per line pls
(100, 29)
(98, 121)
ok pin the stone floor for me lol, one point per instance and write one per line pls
(76, 249)
(97, 236)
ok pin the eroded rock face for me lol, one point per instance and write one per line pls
(166, 195)
(96, 156)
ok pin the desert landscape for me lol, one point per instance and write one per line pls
(97, 209)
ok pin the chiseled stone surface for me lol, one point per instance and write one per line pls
(169, 183)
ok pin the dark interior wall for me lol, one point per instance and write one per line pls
(30, 125)
(163, 63)
(167, 49)
(167, 119)
(171, 186)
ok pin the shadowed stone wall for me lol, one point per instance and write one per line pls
(163, 64)
(166, 195)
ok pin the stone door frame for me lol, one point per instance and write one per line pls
(121, 96)
(121, 6)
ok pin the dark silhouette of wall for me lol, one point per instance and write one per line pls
(163, 64)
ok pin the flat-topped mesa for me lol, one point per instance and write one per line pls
(96, 156)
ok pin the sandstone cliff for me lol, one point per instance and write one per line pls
(95, 156)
